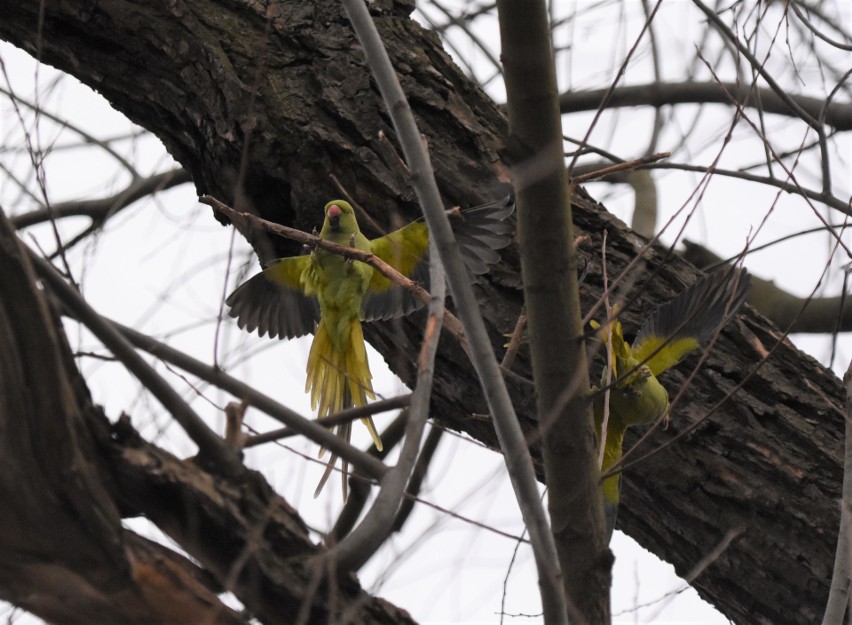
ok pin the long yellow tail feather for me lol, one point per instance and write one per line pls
(338, 378)
(331, 369)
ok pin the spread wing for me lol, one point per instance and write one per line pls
(480, 231)
(680, 326)
(406, 250)
(273, 302)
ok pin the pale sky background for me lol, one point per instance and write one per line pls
(160, 267)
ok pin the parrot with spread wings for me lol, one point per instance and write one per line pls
(674, 330)
(329, 295)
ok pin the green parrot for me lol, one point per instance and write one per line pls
(674, 330)
(329, 295)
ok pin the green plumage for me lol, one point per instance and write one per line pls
(674, 330)
(329, 295)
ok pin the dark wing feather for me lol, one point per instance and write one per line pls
(395, 301)
(480, 231)
(691, 318)
(273, 303)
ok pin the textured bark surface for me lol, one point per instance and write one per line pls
(246, 537)
(66, 556)
(282, 95)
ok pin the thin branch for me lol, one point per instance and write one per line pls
(64, 123)
(378, 524)
(618, 168)
(757, 66)
(604, 102)
(789, 187)
(210, 445)
(101, 209)
(344, 416)
(518, 460)
(789, 170)
(462, 23)
(293, 420)
(658, 78)
(730, 536)
(450, 321)
(816, 31)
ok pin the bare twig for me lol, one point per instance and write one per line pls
(515, 341)
(88, 138)
(462, 23)
(618, 167)
(604, 102)
(791, 103)
(730, 536)
(816, 31)
(451, 323)
(788, 187)
(344, 416)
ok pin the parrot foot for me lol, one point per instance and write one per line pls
(310, 247)
(349, 259)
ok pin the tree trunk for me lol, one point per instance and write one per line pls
(267, 107)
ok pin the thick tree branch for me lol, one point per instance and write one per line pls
(822, 315)
(559, 365)
(67, 558)
(211, 446)
(838, 598)
(240, 530)
(838, 115)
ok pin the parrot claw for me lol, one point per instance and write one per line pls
(349, 259)
(310, 247)
(666, 418)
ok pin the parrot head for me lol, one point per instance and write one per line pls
(339, 218)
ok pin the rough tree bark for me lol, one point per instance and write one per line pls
(263, 105)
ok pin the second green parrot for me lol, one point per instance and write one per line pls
(329, 295)
(674, 330)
